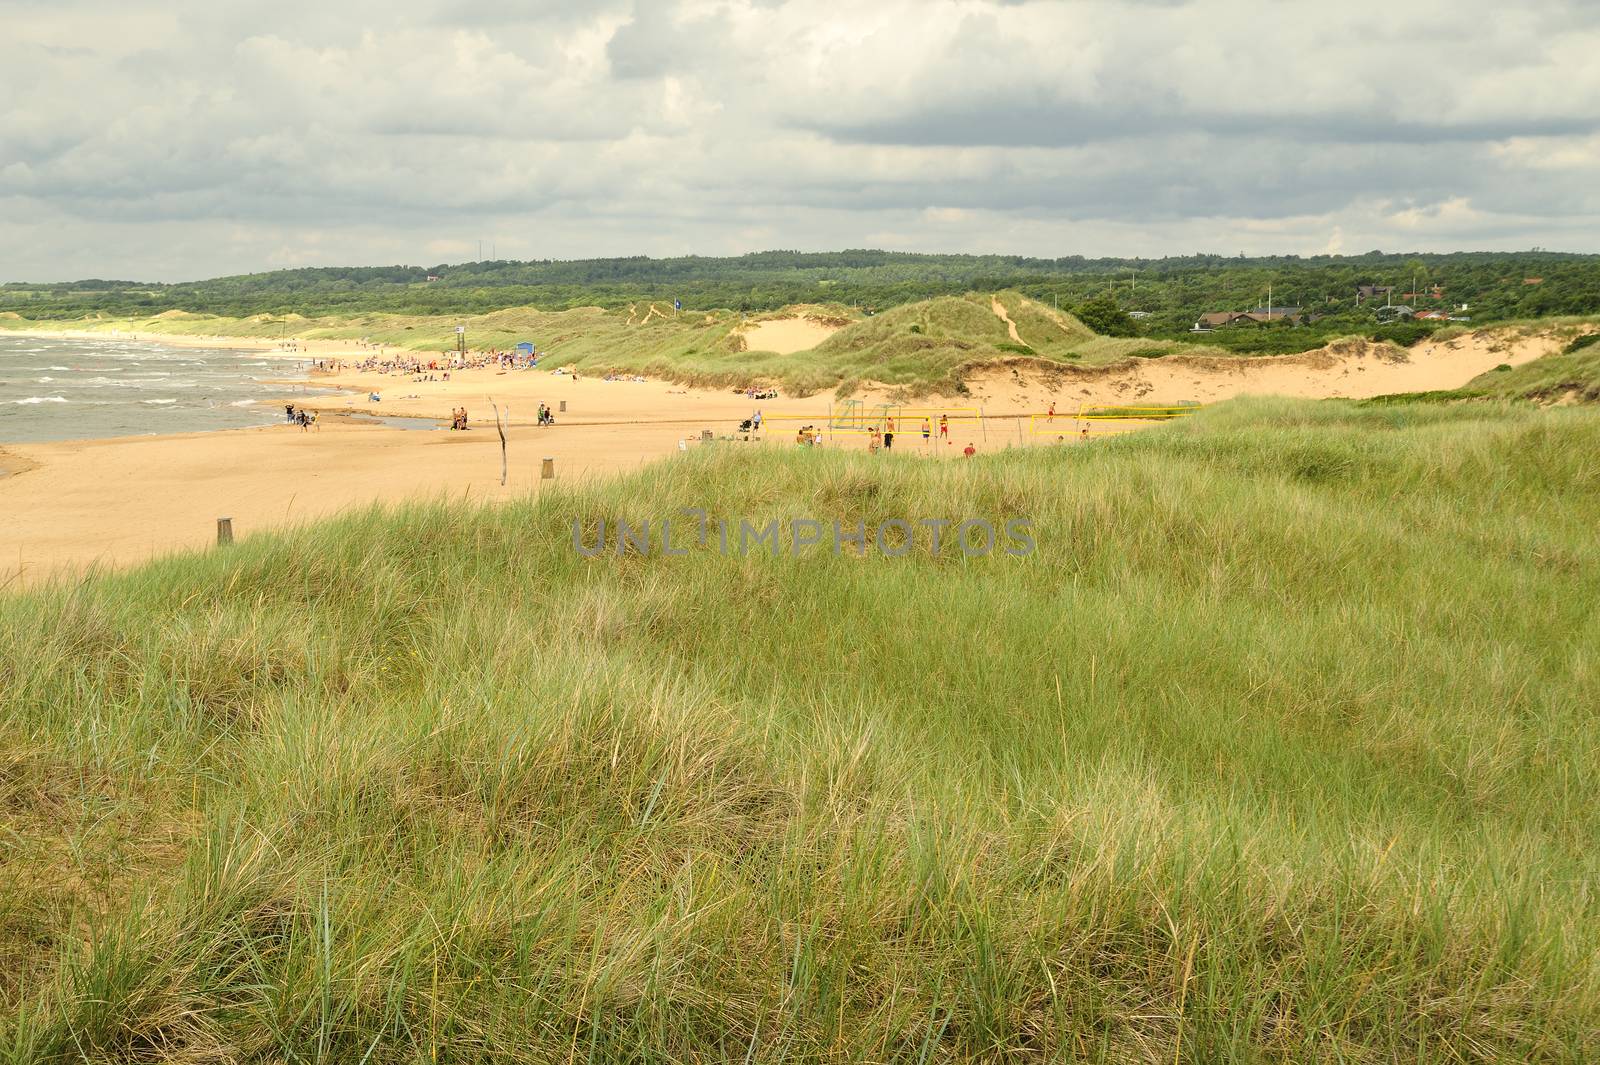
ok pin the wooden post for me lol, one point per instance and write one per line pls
(224, 531)
(500, 427)
(547, 472)
(563, 406)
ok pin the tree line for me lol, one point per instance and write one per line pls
(1167, 295)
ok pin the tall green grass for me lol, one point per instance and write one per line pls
(1279, 747)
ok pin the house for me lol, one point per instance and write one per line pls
(1274, 314)
(1437, 293)
(1216, 320)
(1138, 314)
(1397, 311)
(435, 277)
(1222, 319)
(1372, 292)
(1431, 316)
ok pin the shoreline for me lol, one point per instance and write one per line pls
(309, 349)
(66, 506)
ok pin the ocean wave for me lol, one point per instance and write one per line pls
(39, 399)
(243, 403)
(158, 401)
(45, 380)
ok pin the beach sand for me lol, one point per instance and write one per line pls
(67, 506)
(787, 335)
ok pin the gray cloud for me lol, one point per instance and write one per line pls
(188, 139)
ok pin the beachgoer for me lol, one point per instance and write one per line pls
(1084, 435)
(969, 451)
(924, 430)
(888, 437)
(288, 413)
(944, 427)
(1052, 414)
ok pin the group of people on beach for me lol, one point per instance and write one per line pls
(305, 419)
(458, 418)
(436, 368)
(545, 415)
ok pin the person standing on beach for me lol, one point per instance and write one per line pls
(944, 427)
(924, 430)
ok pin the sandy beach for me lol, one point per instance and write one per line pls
(71, 505)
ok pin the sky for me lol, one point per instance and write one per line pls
(176, 140)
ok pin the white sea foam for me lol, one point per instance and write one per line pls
(243, 403)
(39, 399)
(158, 401)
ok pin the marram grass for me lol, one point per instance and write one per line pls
(1281, 747)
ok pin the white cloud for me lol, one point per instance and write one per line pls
(188, 139)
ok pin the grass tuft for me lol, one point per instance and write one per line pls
(1275, 749)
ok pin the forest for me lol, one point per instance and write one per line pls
(1164, 296)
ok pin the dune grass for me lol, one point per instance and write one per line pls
(919, 347)
(1571, 376)
(1279, 747)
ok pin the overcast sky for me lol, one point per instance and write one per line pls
(174, 140)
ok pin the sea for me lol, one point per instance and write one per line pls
(61, 389)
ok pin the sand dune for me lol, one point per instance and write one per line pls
(786, 335)
(1351, 369)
